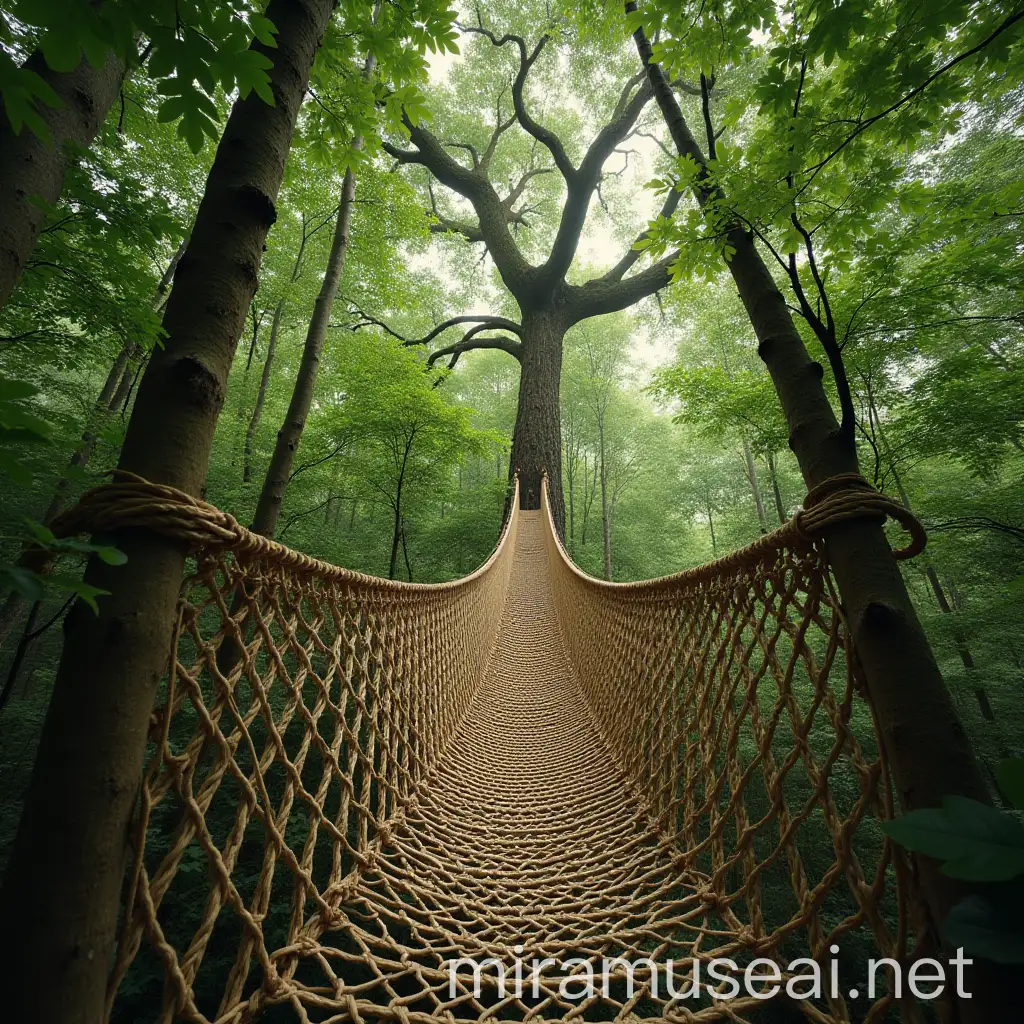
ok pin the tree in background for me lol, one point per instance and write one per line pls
(549, 302)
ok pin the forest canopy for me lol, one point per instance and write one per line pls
(345, 270)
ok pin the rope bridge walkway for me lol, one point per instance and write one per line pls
(523, 763)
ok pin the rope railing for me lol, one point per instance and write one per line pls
(389, 776)
(280, 782)
(733, 699)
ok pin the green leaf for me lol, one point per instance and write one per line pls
(25, 582)
(86, 591)
(264, 29)
(111, 555)
(974, 841)
(43, 534)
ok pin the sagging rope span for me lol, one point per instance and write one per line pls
(392, 776)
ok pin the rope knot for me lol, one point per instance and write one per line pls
(343, 891)
(274, 986)
(708, 896)
(849, 496)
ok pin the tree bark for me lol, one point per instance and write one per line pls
(780, 508)
(396, 536)
(268, 507)
(929, 752)
(537, 440)
(64, 878)
(261, 395)
(30, 167)
(606, 525)
(748, 459)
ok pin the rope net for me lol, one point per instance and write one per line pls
(352, 782)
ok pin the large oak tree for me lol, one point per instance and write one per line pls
(549, 302)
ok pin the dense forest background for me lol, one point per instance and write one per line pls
(875, 152)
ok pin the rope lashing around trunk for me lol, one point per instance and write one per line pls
(134, 502)
(849, 496)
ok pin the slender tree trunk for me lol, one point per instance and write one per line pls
(253, 340)
(748, 459)
(30, 167)
(268, 506)
(399, 516)
(962, 648)
(780, 508)
(570, 474)
(405, 554)
(711, 527)
(606, 526)
(537, 440)
(64, 878)
(261, 395)
(929, 752)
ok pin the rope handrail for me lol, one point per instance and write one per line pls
(132, 502)
(838, 499)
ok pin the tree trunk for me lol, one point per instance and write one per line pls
(253, 340)
(64, 877)
(261, 395)
(711, 527)
(929, 752)
(396, 537)
(755, 488)
(780, 508)
(405, 554)
(30, 167)
(571, 480)
(537, 440)
(268, 507)
(606, 526)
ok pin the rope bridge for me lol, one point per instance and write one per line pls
(523, 763)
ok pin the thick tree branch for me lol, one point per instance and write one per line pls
(487, 319)
(471, 341)
(584, 182)
(474, 186)
(604, 295)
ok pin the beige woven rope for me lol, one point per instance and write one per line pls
(392, 776)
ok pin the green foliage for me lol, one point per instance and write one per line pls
(977, 843)
(972, 840)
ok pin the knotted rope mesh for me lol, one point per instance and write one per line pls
(526, 763)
